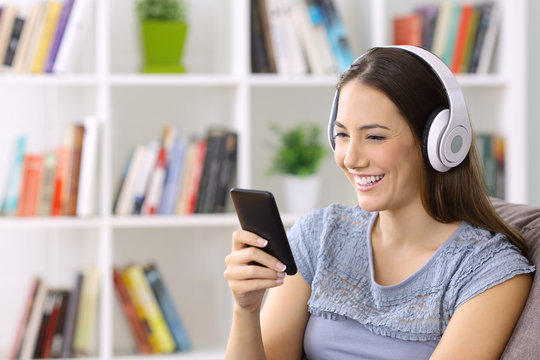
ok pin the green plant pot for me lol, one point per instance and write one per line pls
(163, 45)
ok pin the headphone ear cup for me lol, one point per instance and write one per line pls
(431, 138)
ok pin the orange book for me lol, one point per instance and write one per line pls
(408, 30)
(461, 37)
(31, 184)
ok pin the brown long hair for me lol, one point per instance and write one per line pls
(458, 194)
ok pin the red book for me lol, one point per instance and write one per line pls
(461, 37)
(52, 324)
(140, 332)
(196, 176)
(408, 30)
(31, 185)
(59, 181)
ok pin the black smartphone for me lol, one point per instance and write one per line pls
(258, 213)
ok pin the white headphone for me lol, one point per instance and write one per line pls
(447, 134)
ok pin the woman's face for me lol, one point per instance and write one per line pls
(376, 149)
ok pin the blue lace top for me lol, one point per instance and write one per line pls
(332, 248)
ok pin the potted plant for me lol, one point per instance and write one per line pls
(297, 159)
(164, 28)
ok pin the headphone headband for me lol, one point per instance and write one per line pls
(450, 145)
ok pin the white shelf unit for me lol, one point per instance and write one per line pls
(219, 88)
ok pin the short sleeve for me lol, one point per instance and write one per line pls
(304, 238)
(492, 262)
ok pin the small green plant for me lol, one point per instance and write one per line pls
(162, 10)
(300, 152)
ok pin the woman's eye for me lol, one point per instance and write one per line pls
(340, 135)
(376, 137)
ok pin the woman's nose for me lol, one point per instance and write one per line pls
(355, 156)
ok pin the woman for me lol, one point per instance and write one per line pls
(422, 268)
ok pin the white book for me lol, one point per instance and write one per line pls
(155, 187)
(143, 177)
(126, 198)
(277, 34)
(74, 36)
(87, 179)
(34, 322)
(296, 61)
(442, 26)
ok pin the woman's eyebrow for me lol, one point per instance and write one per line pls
(363, 127)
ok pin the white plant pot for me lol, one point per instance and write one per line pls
(301, 193)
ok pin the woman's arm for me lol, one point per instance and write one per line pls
(283, 308)
(481, 327)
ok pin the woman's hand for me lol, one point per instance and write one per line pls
(248, 281)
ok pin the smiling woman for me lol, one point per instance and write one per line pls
(423, 267)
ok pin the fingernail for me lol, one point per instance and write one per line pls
(281, 274)
(279, 281)
(280, 266)
(262, 242)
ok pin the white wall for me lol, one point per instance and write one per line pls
(533, 101)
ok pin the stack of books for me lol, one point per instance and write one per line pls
(295, 37)
(61, 181)
(59, 323)
(149, 308)
(462, 35)
(174, 176)
(491, 149)
(44, 37)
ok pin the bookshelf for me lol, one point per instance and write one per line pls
(218, 89)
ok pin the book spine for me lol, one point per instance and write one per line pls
(26, 38)
(59, 180)
(22, 326)
(171, 183)
(58, 338)
(166, 303)
(85, 327)
(155, 187)
(144, 175)
(31, 185)
(9, 12)
(150, 308)
(75, 169)
(227, 172)
(86, 189)
(11, 200)
(71, 317)
(57, 39)
(47, 33)
(126, 197)
(32, 331)
(14, 41)
(47, 186)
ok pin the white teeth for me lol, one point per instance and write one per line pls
(368, 180)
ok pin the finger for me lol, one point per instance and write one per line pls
(251, 254)
(250, 272)
(242, 239)
(245, 286)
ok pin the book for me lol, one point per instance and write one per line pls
(196, 175)
(155, 186)
(146, 304)
(23, 48)
(74, 36)
(87, 174)
(453, 25)
(13, 43)
(139, 327)
(31, 184)
(11, 197)
(181, 202)
(52, 15)
(35, 38)
(22, 325)
(9, 14)
(490, 39)
(60, 175)
(260, 62)
(126, 197)
(84, 337)
(310, 27)
(171, 183)
(485, 11)
(265, 25)
(52, 324)
(469, 46)
(58, 35)
(429, 14)
(144, 174)
(408, 29)
(440, 35)
(58, 337)
(337, 34)
(34, 322)
(296, 62)
(71, 317)
(48, 307)
(226, 172)
(47, 185)
(75, 169)
(168, 308)
(464, 27)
